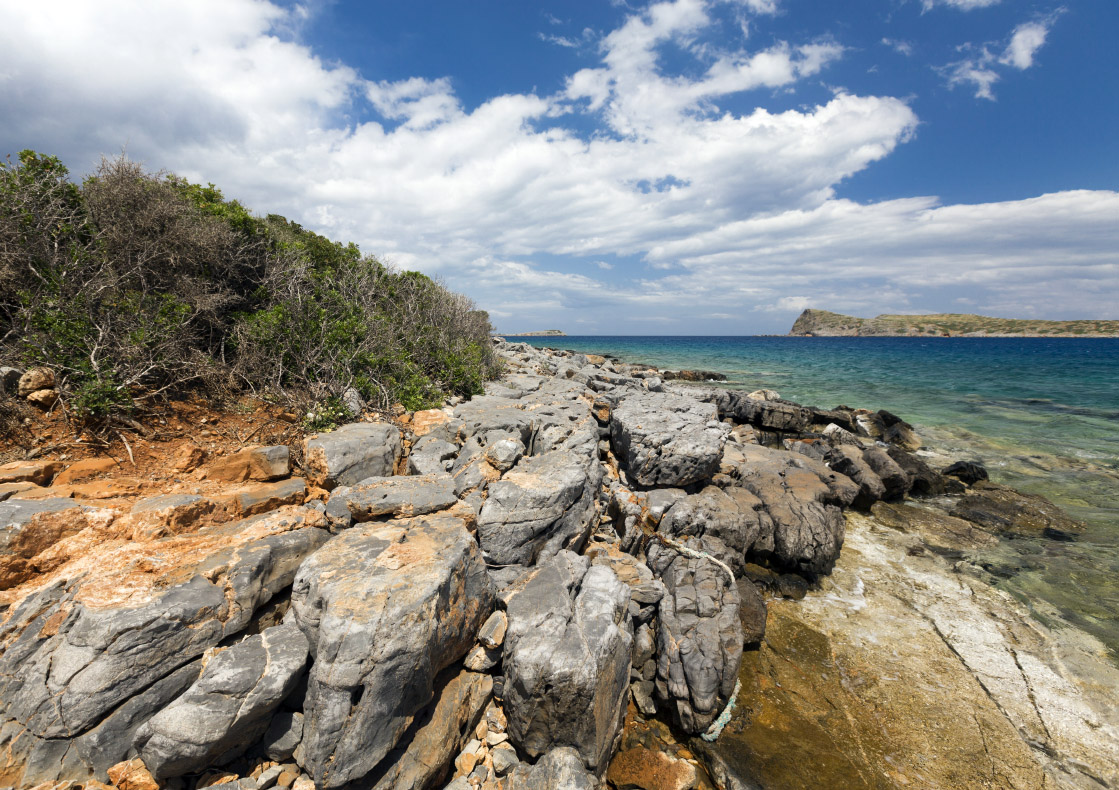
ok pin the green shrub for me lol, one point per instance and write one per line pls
(137, 284)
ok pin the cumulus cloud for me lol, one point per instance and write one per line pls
(701, 212)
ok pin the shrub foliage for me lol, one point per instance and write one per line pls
(132, 285)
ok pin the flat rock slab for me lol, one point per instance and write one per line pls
(37, 472)
(228, 708)
(400, 496)
(1003, 510)
(544, 504)
(385, 609)
(567, 658)
(664, 439)
(104, 627)
(352, 453)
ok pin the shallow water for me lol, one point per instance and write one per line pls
(1041, 413)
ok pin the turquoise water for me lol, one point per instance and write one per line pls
(1041, 413)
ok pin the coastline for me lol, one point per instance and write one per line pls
(614, 576)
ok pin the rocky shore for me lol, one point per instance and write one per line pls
(588, 577)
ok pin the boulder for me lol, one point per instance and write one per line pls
(544, 504)
(567, 659)
(34, 380)
(504, 454)
(228, 708)
(399, 496)
(926, 481)
(893, 477)
(437, 734)
(84, 470)
(431, 455)
(486, 415)
(666, 439)
(170, 514)
(385, 609)
(639, 768)
(559, 768)
(250, 500)
(283, 736)
(107, 627)
(699, 639)
(849, 461)
(802, 499)
(352, 453)
(252, 463)
(734, 515)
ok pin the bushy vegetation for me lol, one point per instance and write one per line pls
(135, 285)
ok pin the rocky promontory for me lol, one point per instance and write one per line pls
(821, 323)
(587, 577)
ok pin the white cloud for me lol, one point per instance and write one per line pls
(1026, 40)
(708, 212)
(963, 5)
(901, 47)
(978, 69)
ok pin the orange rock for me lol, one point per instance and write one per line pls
(132, 775)
(251, 500)
(188, 458)
(83, 470)
(423, 422)
(216, 778)
(35, 379)
(10, 489)
(37, 472)
(252, 463)
(644, 769)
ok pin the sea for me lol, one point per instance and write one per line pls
(1041, 414)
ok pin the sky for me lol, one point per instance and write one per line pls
(688, 167)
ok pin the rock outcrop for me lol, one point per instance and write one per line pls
(385, 609)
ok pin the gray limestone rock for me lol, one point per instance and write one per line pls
(91, 651)
(484, 415)
(399, 496)
(699, 633)
(437, 734)
(503, 454)
(926, 481)
(893, 477)
(283, 736)
(431, 455)
(752, 612)
(802, 498)
(544, 504)
(352, 453)
(666, 439)
(849, 461)
(734, 515)
(567, 658)
(385, 608)
(9, 380)
(559, 768)
(228, 708)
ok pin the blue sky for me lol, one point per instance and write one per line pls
(682, 167)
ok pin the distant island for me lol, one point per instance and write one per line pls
(821, 323)
(540, 333)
